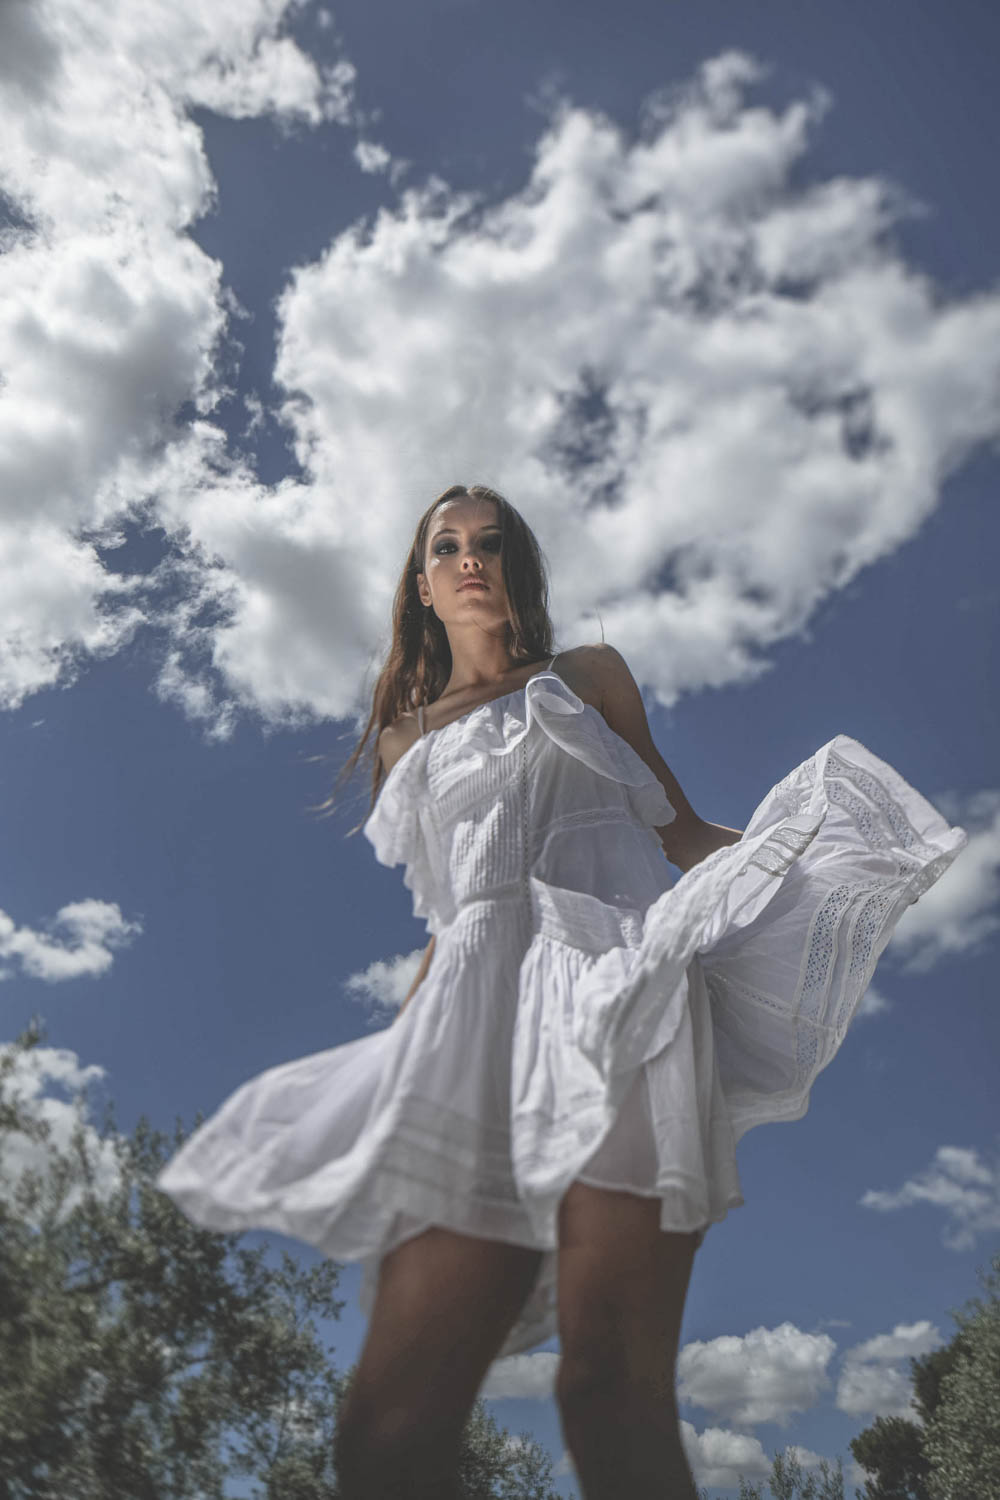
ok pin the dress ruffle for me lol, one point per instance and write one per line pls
(496, 729)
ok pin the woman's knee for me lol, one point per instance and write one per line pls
(593, 1389)
(622, 1287)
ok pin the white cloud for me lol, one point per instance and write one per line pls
(764, 1376)
(875, 1378)
(718, 1457)
(386, 982)
(371, 157)
(110, 315)
(34, 1072)
(522, 1377)
(79, 942)
(873, 1003)
(713, 382)
(964, 1188)
(961, 912)
(773, 1360)
(648, 322)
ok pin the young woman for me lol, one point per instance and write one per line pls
(539, 1142)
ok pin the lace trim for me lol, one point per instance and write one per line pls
(772, 860)
(819, 961)
(871, 828)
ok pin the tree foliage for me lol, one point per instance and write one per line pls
(953, 1451)
(787, 1482)
(962, 1437)
(143, 1358)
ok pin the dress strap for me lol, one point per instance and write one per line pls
(549, 667)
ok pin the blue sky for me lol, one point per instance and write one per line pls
(278, 275)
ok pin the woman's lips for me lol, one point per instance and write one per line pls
(473, 583)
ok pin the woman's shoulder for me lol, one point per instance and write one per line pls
(396, 738)
(582, 669)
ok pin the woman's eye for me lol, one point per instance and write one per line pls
(492, 544)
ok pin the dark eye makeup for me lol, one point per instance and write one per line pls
(491, 542)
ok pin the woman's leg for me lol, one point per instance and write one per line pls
(622, 1287)
(444, 1305)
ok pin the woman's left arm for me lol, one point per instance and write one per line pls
(688, 838)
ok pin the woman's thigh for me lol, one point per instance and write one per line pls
(623, 1283)
(443, 1307)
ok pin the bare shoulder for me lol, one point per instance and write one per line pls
(396, 738)
(596, 673)
(580, 668)
(623, 710)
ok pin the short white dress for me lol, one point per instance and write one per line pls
(585, 1015)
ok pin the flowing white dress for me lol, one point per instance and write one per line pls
(585, 1016)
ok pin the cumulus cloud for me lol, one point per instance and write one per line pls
(873, 1003)
(875, 1378)
(960, 913)
(384, 985)
(111, 317)
(764, 1376)
(717, 395)
(79, 942)
(709, 431)
(371, 157)
(963, 1187)
(522, 1377)
(718, 1457)
(30, 1077)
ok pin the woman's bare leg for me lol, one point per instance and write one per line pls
(622, 1286)
(444, 1306)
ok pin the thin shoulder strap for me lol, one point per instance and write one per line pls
(549, 667)
(420, 718)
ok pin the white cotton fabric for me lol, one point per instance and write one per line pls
(584, 1015)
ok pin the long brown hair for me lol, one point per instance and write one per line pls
(418, 664)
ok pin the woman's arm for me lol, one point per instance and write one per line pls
(688, 838)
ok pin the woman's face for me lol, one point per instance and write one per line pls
(463, 548)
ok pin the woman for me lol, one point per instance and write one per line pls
(541, 1142)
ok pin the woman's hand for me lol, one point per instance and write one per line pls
(694, 840)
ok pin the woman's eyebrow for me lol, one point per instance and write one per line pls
(450, 530)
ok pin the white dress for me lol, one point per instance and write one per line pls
(584, 1015)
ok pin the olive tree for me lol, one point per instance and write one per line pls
(143, 1358)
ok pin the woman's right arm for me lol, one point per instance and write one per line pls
(425, 964)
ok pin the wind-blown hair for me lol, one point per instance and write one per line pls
(418, 664)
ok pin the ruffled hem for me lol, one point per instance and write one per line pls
(275, 1156)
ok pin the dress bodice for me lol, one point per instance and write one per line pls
(533, 782)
